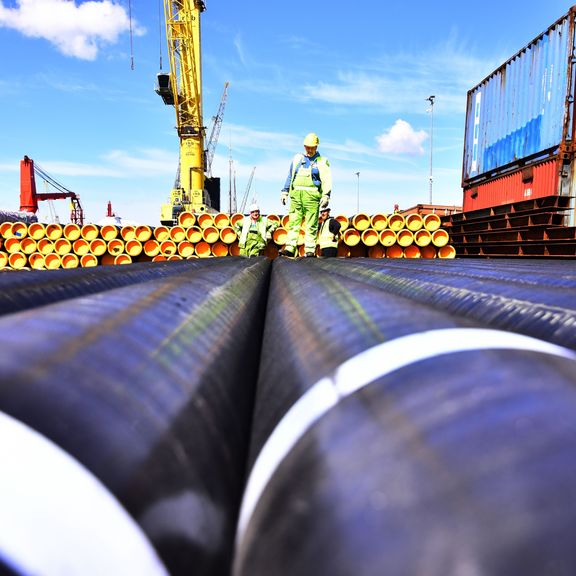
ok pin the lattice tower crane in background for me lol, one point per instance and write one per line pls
(247, 191)
(215, 132)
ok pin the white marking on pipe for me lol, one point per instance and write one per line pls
(357, 372)
(57, 518)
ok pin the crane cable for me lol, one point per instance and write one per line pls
(47, 178)
(131, 35)
(160, 31)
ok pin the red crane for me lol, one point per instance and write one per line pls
(29, 198)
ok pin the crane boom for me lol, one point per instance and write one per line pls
(247, 191)
(215, 133)
(182, 88)
(29, 197)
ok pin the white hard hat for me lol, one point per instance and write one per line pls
(254, 208)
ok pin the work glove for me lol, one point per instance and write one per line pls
(324, 201)
(284, 197)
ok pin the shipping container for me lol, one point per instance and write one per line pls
(520, 123)
(424, 209)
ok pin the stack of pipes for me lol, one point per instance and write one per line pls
(243, 417)
(51, 246)
(384, 236)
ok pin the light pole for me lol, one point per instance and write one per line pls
(431, 100)
(358, 193)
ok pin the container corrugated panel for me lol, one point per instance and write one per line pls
(530, 182)
(522, 112)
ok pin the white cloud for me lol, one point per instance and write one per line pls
(402, 139)
(399, 83)
(146, 162)
(239, 45)
(9, 167)
(253, 138)
(79, 31)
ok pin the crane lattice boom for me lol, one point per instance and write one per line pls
(215, 133)
(182, 88)
(247, 191)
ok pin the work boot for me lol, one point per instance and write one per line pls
(286, 252)
(309, 255)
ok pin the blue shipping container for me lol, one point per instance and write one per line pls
(523, 111)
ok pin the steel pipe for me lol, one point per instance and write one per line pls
(237, 217)
(161, 233)
(39, 288)
(186, 219)
(149, 387)
(394, 251)
(343, 219)
(360, 221)
(177, 234)
(405, 237)
(221, 220)
(151, 248)
(143, 233)
(19, 230)
(211, 234)
(37, 230)
(109, 232)
(440, 237)
(499, 298)
(70, 260)
(396, 222)
(387, 237)
(88, 231)
(194, 234)
(36, 261)
(72, 231)
(432, 222)
(392, 438)
(128, 232)
(81, 247)
(52, 261)
(379, 221)
(414, 222)
(228, 234)
(541, 273)
(205, 220)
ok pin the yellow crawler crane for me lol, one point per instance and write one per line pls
(182, 88)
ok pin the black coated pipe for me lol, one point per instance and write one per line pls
(541, 272)
(526, 305)
(391, 438)
(25, 290)
(150, 388)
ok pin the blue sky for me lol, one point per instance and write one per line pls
(356, 73)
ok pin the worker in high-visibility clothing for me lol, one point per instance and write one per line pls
(254, 231)
(328, 234)
(308, 186)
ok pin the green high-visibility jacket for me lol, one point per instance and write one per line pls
(328, 234)
(253, 236)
